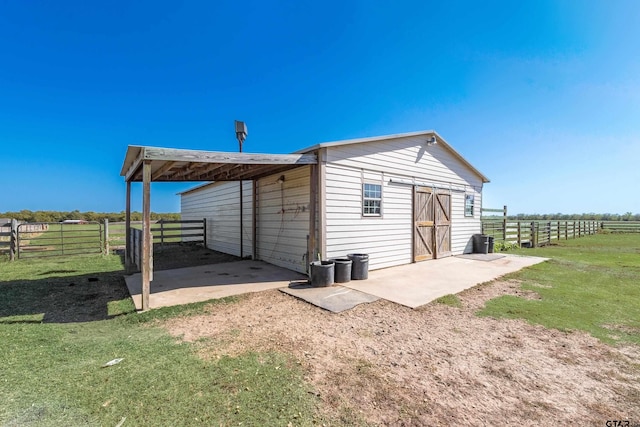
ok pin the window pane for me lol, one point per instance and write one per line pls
(371, 207)
(371, 199)
(468, 204)
(372, 191)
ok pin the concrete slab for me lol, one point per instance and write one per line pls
(481, 257)
(205, 282)
(417, 284)
(334, 298)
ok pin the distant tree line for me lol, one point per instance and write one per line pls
(572, 217)
(57, 216)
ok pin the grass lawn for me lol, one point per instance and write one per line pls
(590, 284)
(61, 320)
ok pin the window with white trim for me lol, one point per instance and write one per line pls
(371, 199)
(469, 200)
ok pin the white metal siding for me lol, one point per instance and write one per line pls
(283, 219)
(462, 228)
(388, 239)
(219, 204)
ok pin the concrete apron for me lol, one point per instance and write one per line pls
(417, 284)
(205, 282)
(411, 285)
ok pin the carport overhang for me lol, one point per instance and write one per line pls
(155, 164)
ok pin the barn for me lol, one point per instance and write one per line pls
(399, 198)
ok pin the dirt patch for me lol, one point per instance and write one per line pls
(180, 255)
(385, 364)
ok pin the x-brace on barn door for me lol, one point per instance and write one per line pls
(432, 223)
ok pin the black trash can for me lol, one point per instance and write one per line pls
(322, 273)
(360, 266)
(342, 270)
(491, 238)
(480, 244)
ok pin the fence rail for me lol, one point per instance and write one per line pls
(47, 239)
(28, 240)
(537, 233)
(163, 231)
(621, 226)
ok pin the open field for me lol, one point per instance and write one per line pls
(537, 355)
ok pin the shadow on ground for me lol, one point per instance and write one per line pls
(68, 298)
(181, 255)
(62, 299)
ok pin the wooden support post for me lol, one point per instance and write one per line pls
(321, 210)
(519, 241)
(549, 233)
(254, 220)
(147, 248)
(13, 240)
(313, 203)
(128, 254)
(204, 232)
(106, 236)
(242, 220)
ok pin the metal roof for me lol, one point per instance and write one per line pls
(171, 165)
(440, 140)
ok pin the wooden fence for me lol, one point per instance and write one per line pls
(16, 238)
(163, 231)
(537, 233)
(136, 250)
(9, 234)
(621, 226)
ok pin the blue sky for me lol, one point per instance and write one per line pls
(541, 96)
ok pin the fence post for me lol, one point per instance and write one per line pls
(13, 240)
(106, 236)
(504, 224)
(549, 232)
(162, 231)
(533, 234)
(519, 235)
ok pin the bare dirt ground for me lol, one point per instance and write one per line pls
(385, 364)
(179, 255)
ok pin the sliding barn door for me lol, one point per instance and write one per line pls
(442, 204)
(423, 232)
(432, 224)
